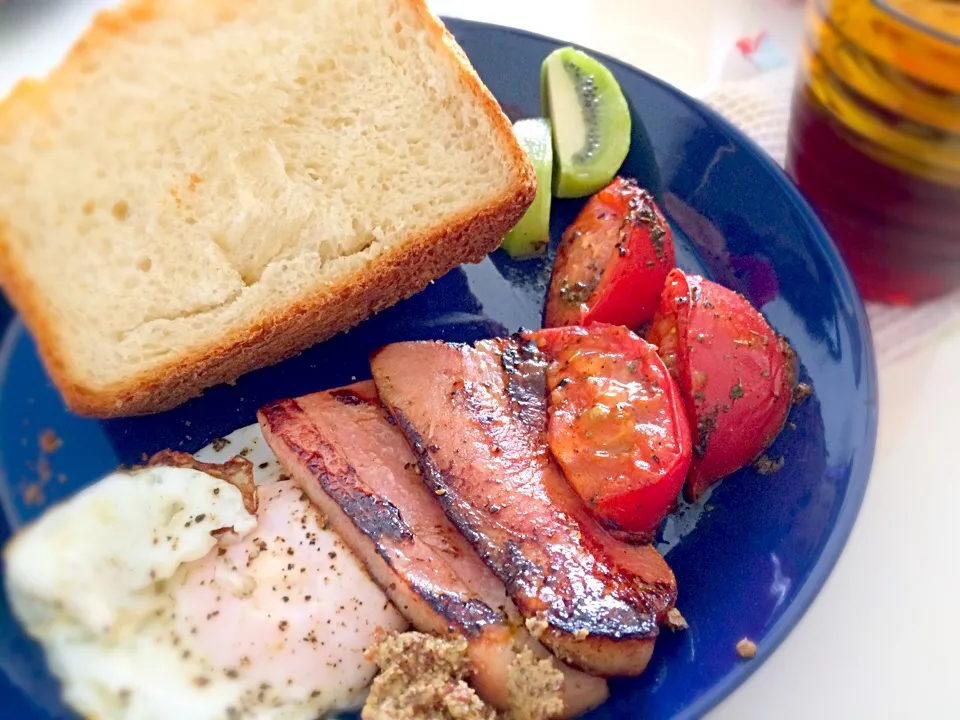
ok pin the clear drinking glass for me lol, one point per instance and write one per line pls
(875, 140)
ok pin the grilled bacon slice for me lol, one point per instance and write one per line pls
(342, 450)
(476, 419)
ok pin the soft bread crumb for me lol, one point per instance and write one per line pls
(534, 687)
(765, 465)
(676, 620)
(801, 392)
(49, 442)
(536, 626)
(747, 649)
(422, 676)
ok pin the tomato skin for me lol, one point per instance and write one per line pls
(736, 375)
(616, 425)
(612, 261)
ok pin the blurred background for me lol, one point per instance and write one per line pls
(690, 43)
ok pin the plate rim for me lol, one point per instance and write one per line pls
(848, 514)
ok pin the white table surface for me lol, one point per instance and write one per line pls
(881, 640)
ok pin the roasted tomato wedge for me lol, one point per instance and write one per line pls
(735, 373)
(612, 262)
(616, 425)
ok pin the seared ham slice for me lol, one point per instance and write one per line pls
(476, 418)
(344, 452)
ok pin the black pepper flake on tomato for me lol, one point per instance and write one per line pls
(736, 392)
(657, 237)
(706, 424)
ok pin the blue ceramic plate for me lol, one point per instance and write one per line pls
(748, 563)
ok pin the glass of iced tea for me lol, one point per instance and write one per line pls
(875, 140)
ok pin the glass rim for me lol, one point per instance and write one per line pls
(915, 23)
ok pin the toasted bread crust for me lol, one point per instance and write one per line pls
(396, 273)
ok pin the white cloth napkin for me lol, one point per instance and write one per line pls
(760, 107)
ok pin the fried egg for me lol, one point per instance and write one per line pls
(156, 595)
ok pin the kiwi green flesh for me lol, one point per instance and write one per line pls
(590, 119)
(530, 237)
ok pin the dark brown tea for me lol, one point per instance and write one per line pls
(875, 142)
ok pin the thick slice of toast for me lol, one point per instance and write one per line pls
(205, 187)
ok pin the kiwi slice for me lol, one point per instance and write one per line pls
(590, 118)
(530, 236)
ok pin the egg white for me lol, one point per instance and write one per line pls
(144, 614)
